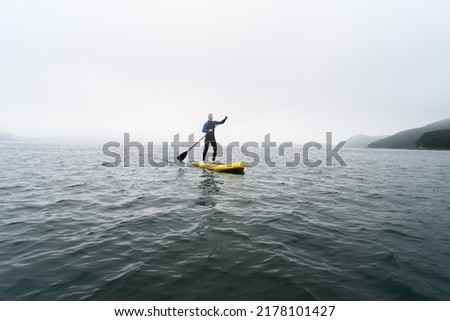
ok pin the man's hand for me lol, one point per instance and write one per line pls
(226, 117)
(210, 130)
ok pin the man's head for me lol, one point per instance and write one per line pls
(210, 116)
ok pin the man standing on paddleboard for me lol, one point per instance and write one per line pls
(208, 128)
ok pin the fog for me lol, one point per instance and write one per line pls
(295, 69)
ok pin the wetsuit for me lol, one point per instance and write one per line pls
(210, 138)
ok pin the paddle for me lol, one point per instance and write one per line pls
(184, 154)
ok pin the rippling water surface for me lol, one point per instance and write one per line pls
(72, 229)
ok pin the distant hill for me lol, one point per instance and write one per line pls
(407, 138)
(361, 140)
(438, 139)
(12, 138)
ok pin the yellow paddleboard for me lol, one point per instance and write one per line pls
(234, 168)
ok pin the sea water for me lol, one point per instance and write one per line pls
(72, 229)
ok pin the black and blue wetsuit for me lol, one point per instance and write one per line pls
(210, 138)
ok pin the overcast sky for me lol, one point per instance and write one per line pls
(295, 69)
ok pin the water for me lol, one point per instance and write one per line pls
(72, 229)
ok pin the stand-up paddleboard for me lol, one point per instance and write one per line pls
(234, 168)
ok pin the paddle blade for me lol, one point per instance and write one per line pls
(182, 156)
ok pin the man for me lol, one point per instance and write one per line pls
(208, 128)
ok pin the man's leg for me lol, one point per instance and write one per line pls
(205, 150)
(214, 145)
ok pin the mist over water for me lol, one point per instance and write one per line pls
(72, 229)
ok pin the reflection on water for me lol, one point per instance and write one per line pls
(208, 188)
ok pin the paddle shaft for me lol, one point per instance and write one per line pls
(183, 155)
(196, 143)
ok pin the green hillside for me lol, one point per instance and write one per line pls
(438, 139)
(407, 138)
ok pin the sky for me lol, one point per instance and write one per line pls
(294, 69)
